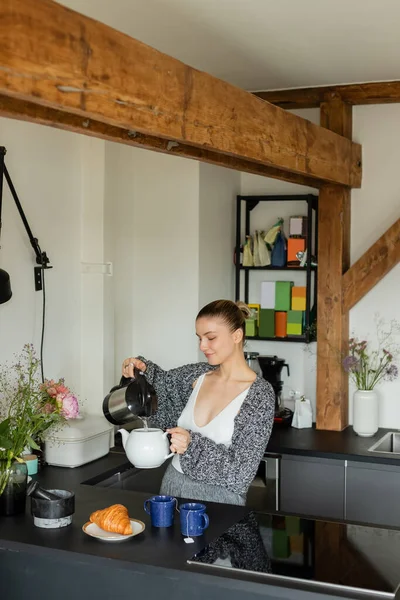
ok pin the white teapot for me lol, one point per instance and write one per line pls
(146, 448)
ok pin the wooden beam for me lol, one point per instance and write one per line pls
(333, 261)
(371, 267)
(27, 111)
(55, 57)
(356, 94)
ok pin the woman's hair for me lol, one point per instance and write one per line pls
(233, 314)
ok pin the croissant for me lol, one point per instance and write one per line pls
(115, 518)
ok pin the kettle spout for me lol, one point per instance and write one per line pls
(125, 436)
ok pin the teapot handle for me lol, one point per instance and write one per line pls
(165, 434)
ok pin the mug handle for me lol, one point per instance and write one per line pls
(206, 520)
(146, 506)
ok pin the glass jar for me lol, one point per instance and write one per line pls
(13, 498)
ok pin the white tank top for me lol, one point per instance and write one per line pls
(219, 429)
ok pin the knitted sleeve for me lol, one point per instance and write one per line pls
(173, 389)
(234, 467)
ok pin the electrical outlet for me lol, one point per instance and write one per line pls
(38, 278)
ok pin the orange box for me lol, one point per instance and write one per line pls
(298, 291)
(280, 324)
(298, 298)
(295, 245)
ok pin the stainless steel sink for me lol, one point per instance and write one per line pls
(388, 444)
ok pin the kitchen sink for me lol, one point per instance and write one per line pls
(388, 444)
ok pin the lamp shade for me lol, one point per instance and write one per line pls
(5, 287)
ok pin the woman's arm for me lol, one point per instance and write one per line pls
(234, 467)
(173, 389)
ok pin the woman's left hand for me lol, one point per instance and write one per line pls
(180, 439)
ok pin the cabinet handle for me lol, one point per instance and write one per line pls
(277, 458)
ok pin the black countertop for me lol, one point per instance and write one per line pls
(172, 552)
(345, 445)
(156, 557)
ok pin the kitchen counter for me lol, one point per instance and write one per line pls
(64, 563)
(345, 445)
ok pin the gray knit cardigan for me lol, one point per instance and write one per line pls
(204, 460)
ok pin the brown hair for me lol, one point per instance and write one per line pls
(234, 314)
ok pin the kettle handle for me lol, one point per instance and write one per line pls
(287, 366)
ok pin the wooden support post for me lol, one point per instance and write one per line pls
(372, 266)
(333, 261)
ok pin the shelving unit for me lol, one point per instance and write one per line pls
(312, 226)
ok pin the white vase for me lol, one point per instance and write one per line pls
(365, 412)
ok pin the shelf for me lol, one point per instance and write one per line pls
(270, 268)
(297, 338)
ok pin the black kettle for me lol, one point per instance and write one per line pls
(132, 398)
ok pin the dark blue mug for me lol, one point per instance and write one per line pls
(193, 519)
(161, 510)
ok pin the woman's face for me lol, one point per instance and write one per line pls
(216, 340)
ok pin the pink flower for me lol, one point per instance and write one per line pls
(61, 389)
(52, 392)
(48, 408)
(70, 407)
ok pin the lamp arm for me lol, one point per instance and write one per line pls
(41, 257)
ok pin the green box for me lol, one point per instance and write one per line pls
(295, 316)
(293, 526)
(283, 292)
(280, 544)
(267, 323)
(251, 327)
(294, 329)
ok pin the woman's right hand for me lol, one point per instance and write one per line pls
(129, 364)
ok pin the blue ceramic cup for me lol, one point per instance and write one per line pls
(161, 510)
(193, 519)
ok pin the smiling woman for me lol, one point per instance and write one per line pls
(219, 413)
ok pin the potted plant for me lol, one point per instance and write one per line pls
(28, 408)
(367, 368)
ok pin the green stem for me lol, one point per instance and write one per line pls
(5, 474)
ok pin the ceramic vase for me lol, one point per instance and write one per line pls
(13, 497)
(365, 412)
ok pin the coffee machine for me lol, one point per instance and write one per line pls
(271, 367)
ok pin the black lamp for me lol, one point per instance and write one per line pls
(41, 257)
(5, 287)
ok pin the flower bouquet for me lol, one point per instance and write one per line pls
(28, 408)
(367, 368)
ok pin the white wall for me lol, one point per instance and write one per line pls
(375, 207)
(170, 235)
(56, 176)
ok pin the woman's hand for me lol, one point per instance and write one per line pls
(180, 439)
(129, 364)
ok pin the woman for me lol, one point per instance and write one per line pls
(219, 413)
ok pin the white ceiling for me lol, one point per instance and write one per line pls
(266, 44)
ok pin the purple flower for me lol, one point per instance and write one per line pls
(351, 363)
(388, 354)
(391, 373)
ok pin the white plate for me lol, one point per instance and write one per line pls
(107, 536)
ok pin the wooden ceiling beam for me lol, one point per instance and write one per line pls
(55, 57)
(372, 266)
(356, 94)
(27, 111)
